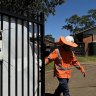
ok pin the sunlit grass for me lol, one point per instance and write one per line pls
(86, 58)
(50, 66)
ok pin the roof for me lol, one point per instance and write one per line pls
(87, 29)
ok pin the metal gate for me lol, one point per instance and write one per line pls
(21, 61)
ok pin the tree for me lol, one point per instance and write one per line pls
(72, 23)
(30, 7)
(77, 23)
(92, 14)
(86, 22)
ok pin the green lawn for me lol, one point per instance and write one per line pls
(86, 58)
(79, 58)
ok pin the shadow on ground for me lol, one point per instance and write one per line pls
(49, 94)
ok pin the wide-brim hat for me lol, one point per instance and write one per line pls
(68, 40)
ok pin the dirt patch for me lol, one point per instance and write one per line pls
(79, 86)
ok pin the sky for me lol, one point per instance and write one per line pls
(53, 25)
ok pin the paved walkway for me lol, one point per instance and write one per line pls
(79, 86)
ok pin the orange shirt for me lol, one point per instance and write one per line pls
(63, 64)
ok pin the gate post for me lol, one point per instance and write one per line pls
(1, 62)
(42, 57)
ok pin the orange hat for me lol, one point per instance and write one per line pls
(68, 40)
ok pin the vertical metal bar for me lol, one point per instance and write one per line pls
(9, 57)
(1, 85)
(28, 68)
(16, 54)
(42, 57)
(1, 77)
(38, 52)
(33, 43)
(22, 58)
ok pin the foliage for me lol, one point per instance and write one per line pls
(86, 21)
(73, 23)
(92, 14)
(77, 23)
(26, 7)
(49, 37)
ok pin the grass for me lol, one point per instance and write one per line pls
(86, 58)
(79, 58)
(49, 66)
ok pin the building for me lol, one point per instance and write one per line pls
(86, 37)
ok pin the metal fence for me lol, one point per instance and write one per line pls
(21, 63)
